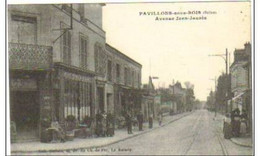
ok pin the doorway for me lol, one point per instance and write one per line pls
(100, 92)
(25, 112)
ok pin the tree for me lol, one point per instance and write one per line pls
(188, 85)
(223, 91)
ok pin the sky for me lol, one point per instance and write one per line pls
(178, 50)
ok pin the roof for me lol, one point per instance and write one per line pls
(117, 52)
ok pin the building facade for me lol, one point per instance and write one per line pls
(240, 78)
(60, 65)
(123, 82)
(179, 94)
(241, 82)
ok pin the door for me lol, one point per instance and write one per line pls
(100, 92)
(26, 114)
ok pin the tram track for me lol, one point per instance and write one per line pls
(195, 129)
(220, 140)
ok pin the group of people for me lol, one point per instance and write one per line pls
(105, 124)
(239, 124)
(140, 119)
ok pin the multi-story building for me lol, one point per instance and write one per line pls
(179, 94)
(123, 82)
(240, 76)
(241, 81)
(60, 65)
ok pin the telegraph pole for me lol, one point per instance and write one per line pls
(225, 58)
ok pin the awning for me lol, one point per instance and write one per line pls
(239, 95)
(238, 98)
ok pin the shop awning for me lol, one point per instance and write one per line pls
(238, 97)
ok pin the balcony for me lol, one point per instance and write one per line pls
(29, 57)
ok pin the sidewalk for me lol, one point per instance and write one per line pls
(245, 141)
(77, 143)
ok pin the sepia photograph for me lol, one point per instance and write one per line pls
(130, 78)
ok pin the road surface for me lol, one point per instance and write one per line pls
(195, 134)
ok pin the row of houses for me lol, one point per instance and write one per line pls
(176, 98)
(234, 90)
(61, 65)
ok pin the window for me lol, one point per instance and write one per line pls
(138, 80)
(77, 99)
(125, 76)
(109, 70)
(100, 60)
(133, 78)
(23, 29)
(83, 51)
(66, 47)
(118, 73)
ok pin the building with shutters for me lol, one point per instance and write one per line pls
(60, 65)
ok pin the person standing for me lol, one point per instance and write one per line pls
(140, 120)
(129, 123)
(244, 120)
(99, 124)
(237, 123)
(104, 123)
(151, 121)
(160, 118)
(110, 125)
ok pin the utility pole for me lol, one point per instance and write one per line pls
(225, 58)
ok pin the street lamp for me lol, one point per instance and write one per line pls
(225, 58)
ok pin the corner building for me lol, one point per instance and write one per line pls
(55, 58)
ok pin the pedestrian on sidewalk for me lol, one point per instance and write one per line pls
(110, 124)
(104, 123)
(99, 128)
(236, 122)
(129, 123)
(160, 117)
(244, 120)
(151, 121)
(140, 120)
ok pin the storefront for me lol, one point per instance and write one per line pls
(73, 91)
(29, 96)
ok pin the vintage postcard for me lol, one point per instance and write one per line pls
(132, 78)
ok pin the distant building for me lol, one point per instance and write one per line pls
(148, 100)
(179, 94)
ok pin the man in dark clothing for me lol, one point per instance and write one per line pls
(140, 121)
(236, 122)
(110, 125)
(129, 123)
(150, 121)
(99, 128)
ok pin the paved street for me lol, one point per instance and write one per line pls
(195, 134)
(192, 135)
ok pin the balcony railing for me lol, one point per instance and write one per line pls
(29, 57)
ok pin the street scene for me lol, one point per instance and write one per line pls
(159, 79)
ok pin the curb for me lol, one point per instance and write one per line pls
(239, 143)
(108, 144)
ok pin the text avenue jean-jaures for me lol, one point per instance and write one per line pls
(177, 15)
